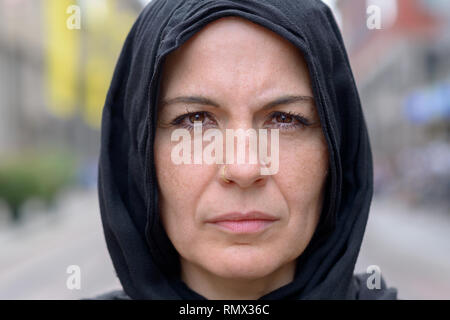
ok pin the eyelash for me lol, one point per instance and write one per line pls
(300, 120)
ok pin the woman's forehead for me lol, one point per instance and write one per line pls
(235, 37)
(237, 56)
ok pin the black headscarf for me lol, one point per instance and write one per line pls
(144, 258)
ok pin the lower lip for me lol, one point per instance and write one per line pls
(245, 226)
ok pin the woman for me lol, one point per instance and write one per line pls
(226, 229)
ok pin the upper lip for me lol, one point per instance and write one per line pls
(240, 216)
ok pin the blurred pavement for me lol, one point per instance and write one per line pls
(411, 246)
(34, 257)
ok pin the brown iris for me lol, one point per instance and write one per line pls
(196, 117)
(283, 118)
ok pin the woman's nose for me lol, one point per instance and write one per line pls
(243, 175)
(241, 159)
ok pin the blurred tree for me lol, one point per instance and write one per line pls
(35, 175)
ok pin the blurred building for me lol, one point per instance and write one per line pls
(403, 75)
(53, 79)
(21, 65)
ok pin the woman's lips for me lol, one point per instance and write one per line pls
(244, 226)
(237, 222)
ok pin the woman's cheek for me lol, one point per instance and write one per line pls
(302, 170)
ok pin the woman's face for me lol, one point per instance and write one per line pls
(239, 68)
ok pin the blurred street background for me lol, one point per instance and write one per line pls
(53, 83)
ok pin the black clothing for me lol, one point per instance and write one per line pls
(144, 258)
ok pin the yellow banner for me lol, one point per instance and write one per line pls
(62, 58)
(81, 61)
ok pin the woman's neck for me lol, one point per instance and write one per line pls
(214, 287)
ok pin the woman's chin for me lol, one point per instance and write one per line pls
(245, 268)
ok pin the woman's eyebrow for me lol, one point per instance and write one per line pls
(287, 99)
(190, 99)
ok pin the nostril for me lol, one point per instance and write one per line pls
(259, 180)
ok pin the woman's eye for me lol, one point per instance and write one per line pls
(188, 120)
(277, 120)
(287, 120)
(284, 118)
(199, 116)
